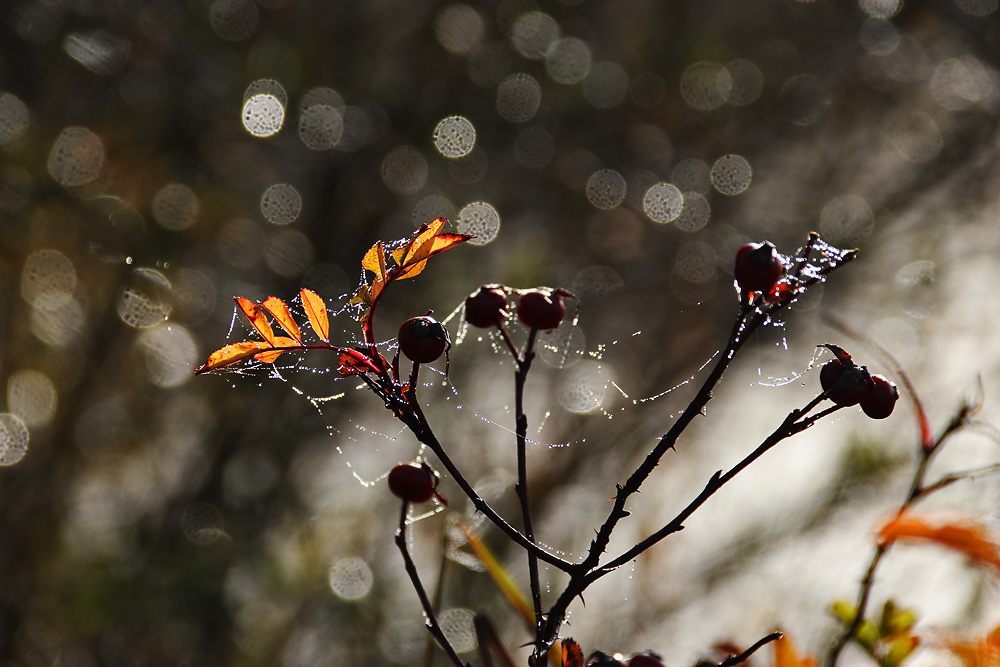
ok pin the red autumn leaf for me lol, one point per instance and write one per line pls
(256, 317)
(786, 654)
(230, 354)
(283, 316)
(269, 356)
(572, 654)
(353, 362)
(970, 539)
(316, 312)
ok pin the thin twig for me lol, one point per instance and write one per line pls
(743, 657)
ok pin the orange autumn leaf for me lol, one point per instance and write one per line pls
(984, 652)
(269, 356)
(230, 354)
(572, 654)
(316, 312)
(374, 260)
(786, 654)
(426, 242)
(970, 539)
(256, 317)
(283, 316)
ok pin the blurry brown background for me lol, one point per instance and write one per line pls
(158, 158)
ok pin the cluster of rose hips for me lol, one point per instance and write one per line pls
(848, 384)
(643, 659)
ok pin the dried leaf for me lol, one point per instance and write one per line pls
(283, 316)
(269, 356)
(316, 312)
(970, 539)
(786, 654)
(230, 354)
(256, 317)
(572, 654)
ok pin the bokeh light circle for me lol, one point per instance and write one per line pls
(479, 219)
(404, 170)
(76, 157)
(48, 280)
(14, 118)
(568, 60)
(606, 189)
(320, 127)
(454, 137)
(518, 98)
(263, 115)
(705, 85)
(731, 175)
(175, 206)
(663, 203)
(459, 28)
(281, 204)
(13, 439)
(351, 578)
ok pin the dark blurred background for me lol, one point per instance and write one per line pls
(158, 158)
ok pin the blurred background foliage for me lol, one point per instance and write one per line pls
(159, 157)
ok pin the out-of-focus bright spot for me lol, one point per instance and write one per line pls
(479, 219)
(14, 118)
(648, 90)
(596, 281)
(846, 221)
(533, 33)
(454, 137)
(663, 203)
(432, 207)
(39, 22)
(807, 99)
(351, 578)
(879, 37)
(322, 96)
(561, 347)
(458, 626)
(58, 326)
(518, 97)
(706, 85)
(146, 300)
(13, 439)
(958, 83)
(880, 9)
(917, 273)
(582, 387)
(606, 85)
(281, 204)
(263, 115)
(31, 397)
(239, 243)
(731, 175)
(568, 60)
(175, 206)
(404, 170)
(359, 129)
(747, 82)
(459, 28)
(977, 7)
(76, 157)
(470, 168)
(692, 175)
(916, 137)
(48, 280)
(321, 127)
(637, 183)
(194, 296)
(288, 253)
(651, 144)
(695, 213)
(606, 189)
(489, 63)
(233, 20)
(98, 51)
(534, 147)
(171, 355)
(696, 262)
(202, 524)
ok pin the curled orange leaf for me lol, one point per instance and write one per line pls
(256, 317)
(786, 654)
(230, 354)
(970, 539)
(316, 312)
(283, 316)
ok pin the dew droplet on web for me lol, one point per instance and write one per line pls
(351, 578)
(747, 82)
(561, 347)
(233, 20)
(431, 208)
(568, 60)
(479, 219)
(31, 397)
(48, 280)
(806, 98)
(647, 90)
(175, 206)
(518, 98)
(731, 175)
(695, 213)
(76, 157)
(459, 628)
(13, 439)
(146, 300)
(534, 147)
(454, 137)
(916, 137)
(878, 36)
(281, 204)
(532, 33)
(692, 175)
(606, 189)
(288, 252)
(706, 85)
(202, 524)
(663, 203)
(171, 354)
(99, 51)
(14, 118)
(470, 168)
(320, 127)
(880, 9)
(606, 85)
(459, 28)
(404, 170)
(846, 220)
